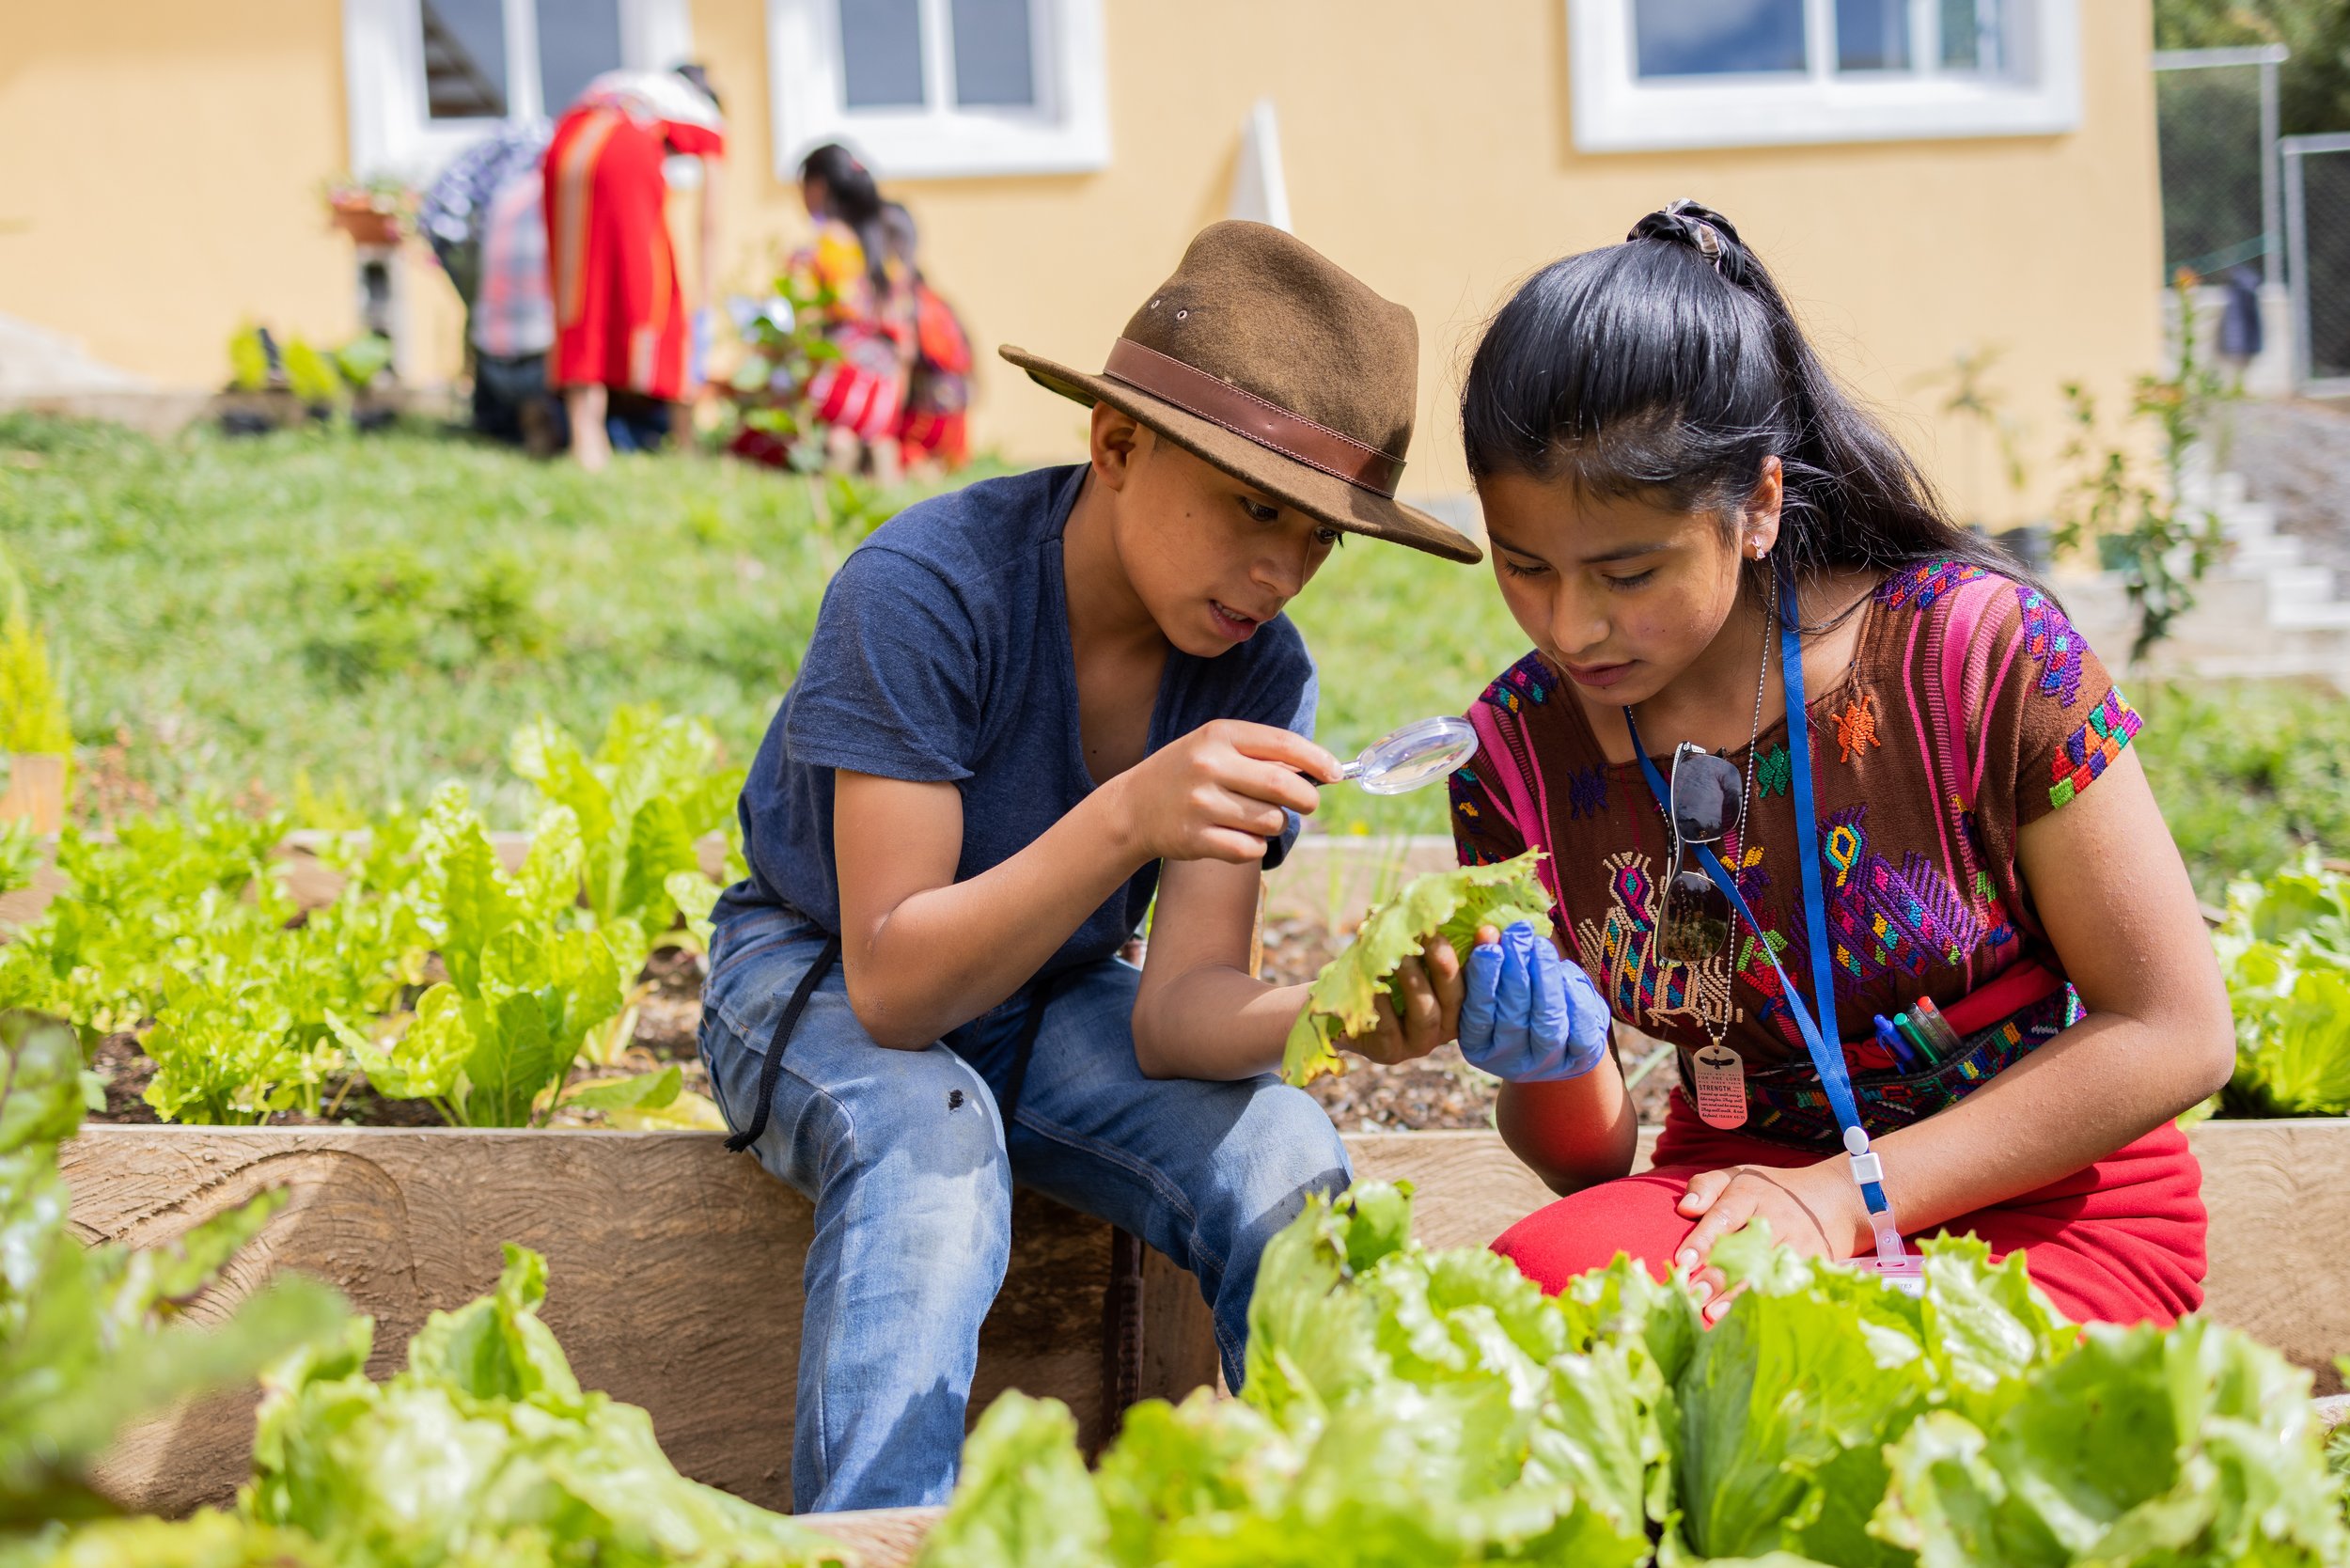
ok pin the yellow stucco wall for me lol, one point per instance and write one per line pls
(1427, 148)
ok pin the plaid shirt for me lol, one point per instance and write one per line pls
(457, 205)
(513, 313)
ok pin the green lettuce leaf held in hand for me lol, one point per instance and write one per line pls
(1343, 998)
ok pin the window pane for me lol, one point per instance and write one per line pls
(992, 53)
(1971, 34)
(578, 41)
(464, 58)
(881, 53)
(1872, 35)
(1708, 37)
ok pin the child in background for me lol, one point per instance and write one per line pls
(858, 396)
(1678, 494)
(933, 429)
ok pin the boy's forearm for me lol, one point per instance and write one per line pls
(1215, 1022)
(943, 956)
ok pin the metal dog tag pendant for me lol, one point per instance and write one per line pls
(1722, 1084)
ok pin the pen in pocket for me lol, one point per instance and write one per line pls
(1935, 1030)
(1894, 1046)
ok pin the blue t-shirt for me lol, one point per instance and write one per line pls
(942, 654)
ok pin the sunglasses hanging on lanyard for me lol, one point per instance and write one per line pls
(1699, 802)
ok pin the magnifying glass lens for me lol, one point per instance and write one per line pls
(1419, 753)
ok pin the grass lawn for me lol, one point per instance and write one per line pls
(324, 621)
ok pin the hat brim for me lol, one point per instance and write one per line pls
(1321, 495)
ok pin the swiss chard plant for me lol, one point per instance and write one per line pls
(490, 1045)
(653, 790)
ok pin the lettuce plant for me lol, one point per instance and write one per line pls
(92, 1336)
(486, 1450)
(2285, 950)
(1343, 998)
(490, 1045)
(1411, 1407)
(653, 789)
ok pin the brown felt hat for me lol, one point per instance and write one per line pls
(1261, 357)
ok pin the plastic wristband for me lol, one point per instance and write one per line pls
(1868, 1171)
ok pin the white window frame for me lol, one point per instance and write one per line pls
(2037, 92)
(391, 130)
(1067, 132)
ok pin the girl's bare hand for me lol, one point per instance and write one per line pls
(1814, 1209)
(1219, 793)
(1424, 1013)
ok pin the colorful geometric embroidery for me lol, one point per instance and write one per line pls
(2053, 644)
(2112, 725)
(1883, 919)
(1587, 792)
(1787, 1107)
(1857, 729)
(1638, 990)
(1773, 772)
(1527, 681)
(1922, 584)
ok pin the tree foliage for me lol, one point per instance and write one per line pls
(2312, 88)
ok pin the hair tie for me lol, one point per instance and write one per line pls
(1675, 222)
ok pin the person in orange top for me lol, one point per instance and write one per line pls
(934, 426)
(619, 313)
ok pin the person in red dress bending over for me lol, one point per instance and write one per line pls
(620, 321)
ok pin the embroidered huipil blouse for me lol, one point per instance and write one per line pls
(1972, 707)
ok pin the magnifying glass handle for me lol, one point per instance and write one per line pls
(1347, 774)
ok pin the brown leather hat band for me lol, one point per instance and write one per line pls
(1245, 414)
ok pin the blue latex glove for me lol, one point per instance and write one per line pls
(1529, 1017)
(697, 359)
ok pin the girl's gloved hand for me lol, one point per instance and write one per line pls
(1528, 1015)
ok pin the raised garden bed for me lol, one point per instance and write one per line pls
(675, 1271)
(675, 1266)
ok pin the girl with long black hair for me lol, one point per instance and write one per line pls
(867, 315)
(1928, 955)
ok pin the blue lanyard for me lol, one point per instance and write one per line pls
(1828, 1054)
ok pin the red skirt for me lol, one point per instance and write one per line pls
(619, 316)
(2119, 1242)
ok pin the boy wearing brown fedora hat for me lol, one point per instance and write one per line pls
(1027, 706)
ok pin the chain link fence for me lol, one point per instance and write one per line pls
(2317, 213)
(2215, 114)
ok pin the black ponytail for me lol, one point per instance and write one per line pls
(855, 200)
(1670, 368)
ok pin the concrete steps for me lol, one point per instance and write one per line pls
(2263, 610)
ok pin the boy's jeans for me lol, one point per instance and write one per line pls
(906, 1160)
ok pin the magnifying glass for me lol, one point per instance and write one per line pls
(1420, 753)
